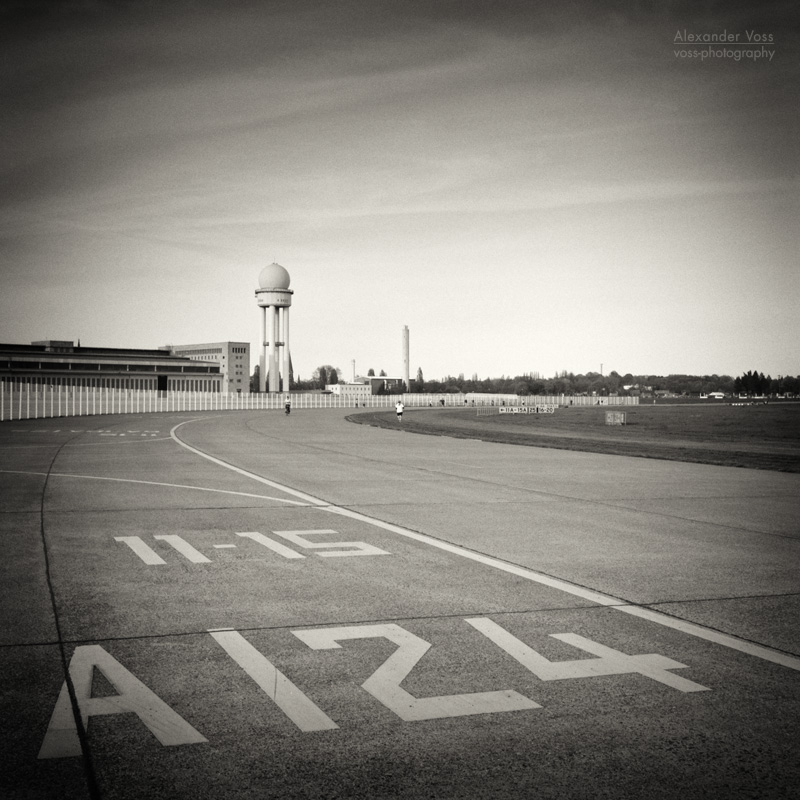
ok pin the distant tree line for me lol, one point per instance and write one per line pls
(756, 383)
(751, 383)
(612, 383)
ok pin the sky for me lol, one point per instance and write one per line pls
(528, 186)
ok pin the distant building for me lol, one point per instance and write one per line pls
(62, 363)
(232, 358)
(353, 390)
(364, 387)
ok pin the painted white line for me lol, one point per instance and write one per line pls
(693, 629)
(523, 572)
(152, 483)
(306, 498)
(710, 635)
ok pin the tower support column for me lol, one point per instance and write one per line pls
(286, 356)
(262, 354)
(273, 349)
(279, 352)
(406, 360)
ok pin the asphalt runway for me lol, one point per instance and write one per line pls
(245, 604)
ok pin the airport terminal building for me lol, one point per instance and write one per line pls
(63, 363)
(232, 358)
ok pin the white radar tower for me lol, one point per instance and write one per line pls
(274, 298)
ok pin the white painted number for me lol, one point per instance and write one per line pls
(276, 547)
(144, 551)
(384, 683)
(61, 739)
(149, 556)
(608, 661)
(299, 538)
(296, 705)
(356, 548)
(184, 548)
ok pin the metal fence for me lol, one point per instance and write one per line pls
(32, 401)
(476, 399)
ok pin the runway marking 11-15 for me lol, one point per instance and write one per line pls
(325, 549)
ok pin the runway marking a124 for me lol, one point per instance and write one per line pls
(384, 684)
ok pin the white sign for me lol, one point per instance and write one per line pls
(546, 409)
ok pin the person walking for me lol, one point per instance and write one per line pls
(288, 406)
(399, 409)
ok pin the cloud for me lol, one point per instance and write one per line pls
(371, 139)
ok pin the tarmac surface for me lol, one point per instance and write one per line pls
(244, 604)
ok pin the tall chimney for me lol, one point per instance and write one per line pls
(406, 376)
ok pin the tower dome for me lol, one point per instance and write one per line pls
(274, 276)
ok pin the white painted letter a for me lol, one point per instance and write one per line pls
(61, 739)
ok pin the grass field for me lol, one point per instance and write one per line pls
(756, 437)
